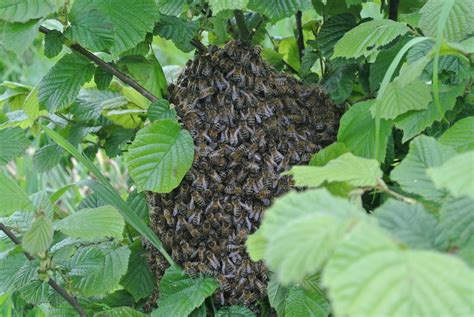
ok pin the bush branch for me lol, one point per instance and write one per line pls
(61, 291)
(299, 34)
(108, 68)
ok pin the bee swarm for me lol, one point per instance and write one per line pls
(249, 124)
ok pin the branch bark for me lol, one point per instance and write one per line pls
(393, 9)
(61, 291)
(108, 68)
(299, 31)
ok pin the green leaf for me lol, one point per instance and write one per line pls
(180, 294)
(17, 37)
(120, 312)
(410, 224)
(278, 9)
(171, 7)
(132, 19)
(356, 171)
(333, 30)
(179, 31)
(102, 78)
(459, 23)
(39, 237)
(357, 130)
(161, 110)
(138, 281)
(456, 219)
(100, 222)
(460, 135)
(53, 43)
(340, 81)
(11, 267)
(12, 197)
(92, 29)
(221, 5)
(295, 301)
(256, 244)
(414, 122)
(234, 311)
(327, 154)
(399, 99)
(369, 275)
(147, 71)
(62, 83)
(116, 142)
(412, 175)
(456, 175)
(35, 292)
(160, 156)
(47, 157)
(97, 272)
(90, 102)
(302, 229)
(24, 10)
(367, 37)
(138, 203)
(13, 143)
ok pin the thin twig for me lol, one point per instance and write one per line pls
(109, 68)
(299, 33)
(198, 45)
(61, 291)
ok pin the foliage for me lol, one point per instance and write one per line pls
(386, 214)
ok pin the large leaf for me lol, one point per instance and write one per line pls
(171, 7)
(120, 312)
(412, 175)
(92, 29)
(180, 294)
(327, 154)
(132, 19)
(234, 311)
(12, 197)
(39, 237)
(411, 224)
(100, 222)
(278, 9)
(17, 37)
(13, 143)
(96, 272)
(179, 31)
(301, 231)
(357, 130)
(90, 102)
(366, 38)
(455, 175)
(459, 23)
(160, 156)
(354, 170)
(46, 157)
(369, 275)
(62, 83)
(399, 99)
(138, 281)
(53, 43)
(333, 30)
(460, 135)
(414, 122)
(456, 219)
(221, 5)
(161, 110)
(24, 10)
(11, 267)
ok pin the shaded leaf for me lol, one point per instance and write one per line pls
(333, 30)
(13, 143)
(17, 37)
(460, 136)
(278, 9)
(179, 31)
(53, 43)
(234, 311)
(221, 5)
(161, 110)
(328, 153)
(456, 219)
(12, 197)
(39, 237)
(24, 10)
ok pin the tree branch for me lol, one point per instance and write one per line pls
(299, 31)
(393, 9)
(240, 20)
(109, 68)
(61, 291)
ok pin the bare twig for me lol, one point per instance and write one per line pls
(61, 291)
(299, 33)
(108, 68)
(393, 9)
(198, 45)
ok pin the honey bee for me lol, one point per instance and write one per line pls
(253, 167)
(224, 283)
(197, 199)
(203, 268)
(319, 127)
(239, 152)
(200, 183)
(262, 288)
(196, 218)
(225, 228)
(186, 248)
(168, 217)
(190, 269)
(211, 257)
(215, 205)
(213, 246)
(248, 298)
(192, 231)
(209, 91)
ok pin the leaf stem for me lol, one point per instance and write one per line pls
(384, 188)
(108, 68)
(61, 291)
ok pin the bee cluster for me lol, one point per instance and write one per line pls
(249, 124)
